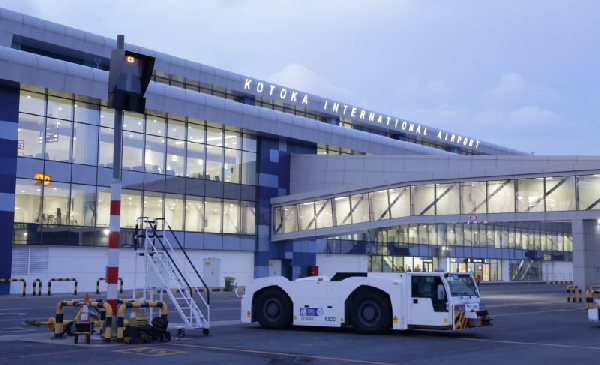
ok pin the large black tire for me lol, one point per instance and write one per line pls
(273, 309)
(371, 312)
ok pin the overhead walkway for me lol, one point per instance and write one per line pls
(517, 198)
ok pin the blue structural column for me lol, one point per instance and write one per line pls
(273, 181)
(9, 117)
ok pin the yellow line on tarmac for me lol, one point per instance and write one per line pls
(534, 344)
(535, 312)
(262, 352)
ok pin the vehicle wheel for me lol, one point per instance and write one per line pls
(206, 332)
(273, 309)
(371, 312)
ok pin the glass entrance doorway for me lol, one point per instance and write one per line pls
(482, 269)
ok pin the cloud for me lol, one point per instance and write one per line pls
(523, 117)
(513, 90)
(302, 78)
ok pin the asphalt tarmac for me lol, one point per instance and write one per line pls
(533, 323)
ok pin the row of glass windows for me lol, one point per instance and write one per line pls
(89, 206)
(68, 130)
(185, 83)
(477, 235)
(503, 196)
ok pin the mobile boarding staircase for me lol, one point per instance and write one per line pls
(165, 273)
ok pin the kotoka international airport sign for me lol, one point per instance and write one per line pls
(359, 114)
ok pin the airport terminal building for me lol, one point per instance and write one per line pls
(261, 179)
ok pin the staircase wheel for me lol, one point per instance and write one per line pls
(180, 333)
(206, 332)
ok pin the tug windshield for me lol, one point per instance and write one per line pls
(461, 285)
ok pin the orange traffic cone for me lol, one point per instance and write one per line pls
(85, 310)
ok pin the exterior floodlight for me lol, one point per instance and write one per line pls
(128, 80)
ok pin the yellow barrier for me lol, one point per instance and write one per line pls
(591, 294)
(137, 304)
(106, 315)
(61, 279)
(103, 279)
(36, 287)
(17, 279)
(574, 294)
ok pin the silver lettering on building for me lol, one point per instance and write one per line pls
(295, 94)
(271, 88)
(371, 117)
(260, 87)
(247, 84)
(282, 93)
(353, 112)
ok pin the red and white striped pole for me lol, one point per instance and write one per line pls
(112, 270)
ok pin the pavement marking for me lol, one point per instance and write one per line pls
(535, 312)
(520, 304)
(534, 344)
(150, 351)
(32, 308)
(262, 352)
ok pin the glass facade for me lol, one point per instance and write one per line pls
(173, 166)
(544, 194)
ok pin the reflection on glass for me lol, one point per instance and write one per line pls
(560, 193)
(106, 149)
(194, 214)
(155, 154)
(473, 197)
(196, 131)
(501, 196)
(28, 197)
(174, 211)
(447, 197)
(342, 210)
(530, 195)
(380, 205)
(131, 207)
(83, 205)
(58, 139)
(195, 160)
(323, 213)
(32, 103)
(175, 157)
(31, 135)
(249, 168)
(156, 125)
(60, 108)
(231, 216)
(423, 198)
(360, 208)
(103, 207)
(176, 129)
(134, 122)
(589, 192)
(133, 148)
(290, 219)
(232, 166)
(85, 144)
(306, 216)
(248, 218)
(55, 204)
(214, 163)
(212, 215)
(87, 113)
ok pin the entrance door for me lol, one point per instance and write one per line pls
(428, 302)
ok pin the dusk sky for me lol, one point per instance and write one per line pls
(522, 74)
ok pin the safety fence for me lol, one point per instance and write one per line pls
(37, 286)
(105, 320)
(104, 279)
(137, 304)
(574, 294)
(592, 294)
(17, 279)
(61, 279)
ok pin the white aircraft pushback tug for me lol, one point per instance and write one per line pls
(369, 302)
